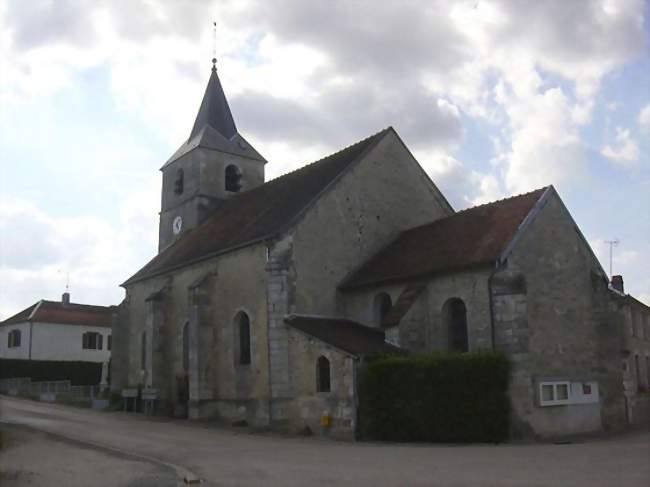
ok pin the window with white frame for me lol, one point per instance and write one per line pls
(553, 393)
(13, 339)
(92, 341)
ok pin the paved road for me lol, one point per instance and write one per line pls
(224, 457)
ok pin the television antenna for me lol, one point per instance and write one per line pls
(612, 244)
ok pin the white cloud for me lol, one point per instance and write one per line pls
(38, 249)
(644, 119)
(627, 153)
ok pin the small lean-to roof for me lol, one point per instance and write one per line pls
(258, 213)
(346, 335)
(69, 314)
(467, 239)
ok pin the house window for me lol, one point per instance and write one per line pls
(13, 339)
(382, 307)
(92, 341)
(108, 342)
(233, 179)
(554, 393)
(454, 315)
(179, 182)
(244, 330)
(322, 374)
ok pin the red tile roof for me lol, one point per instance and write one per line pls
(257, 214)
(344, 334)
(69, 314)
(467, 239)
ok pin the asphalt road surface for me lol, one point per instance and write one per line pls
(221, 456)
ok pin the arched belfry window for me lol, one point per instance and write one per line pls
(322, 374)
(233, 179)
(455, 320)
(179, 181)
(186, 346)
(382, 305)
(244, 330)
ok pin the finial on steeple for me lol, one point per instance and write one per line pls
(214, 46)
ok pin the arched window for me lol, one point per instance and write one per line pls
(13, 339)
(179, 181)
(455, 319)
(233, 179)
(244, 329)
(143, 351)
(382, 305)
(186, 346)
(322, 374)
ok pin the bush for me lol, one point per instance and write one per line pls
(438, 398)
(78, 373)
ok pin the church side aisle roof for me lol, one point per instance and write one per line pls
(344, 334)
(467, 239)
(259, 213)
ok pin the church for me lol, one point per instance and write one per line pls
(266, 298)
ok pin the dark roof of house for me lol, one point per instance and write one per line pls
(258, 213)
(69, 314)
(214, 127)
(344, 334)
(467, 239)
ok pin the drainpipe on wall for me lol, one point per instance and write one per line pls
(31, 334)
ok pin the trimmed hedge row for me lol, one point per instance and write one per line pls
(436, 398)
(78, 373)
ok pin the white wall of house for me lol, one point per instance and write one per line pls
(54, 341)
(22, 351)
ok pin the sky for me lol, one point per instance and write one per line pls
(494, 98)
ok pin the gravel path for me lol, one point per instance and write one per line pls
(35, 459)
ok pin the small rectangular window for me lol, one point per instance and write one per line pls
(100, 341)
(554, 393)
(108, 343)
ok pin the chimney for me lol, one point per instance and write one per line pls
(617, 283)
(65, 299)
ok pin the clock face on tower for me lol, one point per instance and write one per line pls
(177, 224)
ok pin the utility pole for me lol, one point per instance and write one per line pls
(612, 244)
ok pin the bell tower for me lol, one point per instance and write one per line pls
(214, 164)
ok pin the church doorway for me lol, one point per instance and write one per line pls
(454, 313)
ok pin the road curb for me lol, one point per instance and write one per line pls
(184, 476)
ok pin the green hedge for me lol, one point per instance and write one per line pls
(78, 373)
(436, 398)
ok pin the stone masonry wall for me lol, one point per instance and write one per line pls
(554, 318)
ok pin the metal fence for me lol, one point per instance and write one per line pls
(23, 386)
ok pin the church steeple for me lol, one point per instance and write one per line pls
(214, 110)
(214, 164)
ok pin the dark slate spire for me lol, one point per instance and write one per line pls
(214, 110)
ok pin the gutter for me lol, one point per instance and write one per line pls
(491, 301)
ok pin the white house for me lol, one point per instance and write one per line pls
(53, 330)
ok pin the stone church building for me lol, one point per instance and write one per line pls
(265, 298)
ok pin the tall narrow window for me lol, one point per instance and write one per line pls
(108, 342)
(243, 322)
(186, 347)
(382, 306)
(233, 179)
(322, 374)
(179, 181)
(455, 317)
(143, 351)
(100, 341)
